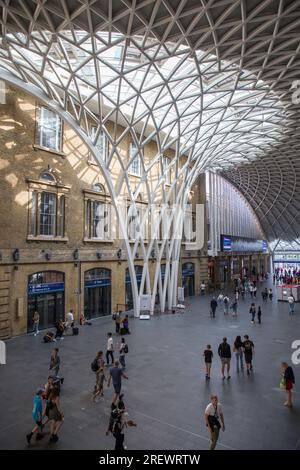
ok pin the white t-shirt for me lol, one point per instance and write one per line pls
(110, 345)
(210, 410)
(290, 299)
(202, 286)
(70, 317)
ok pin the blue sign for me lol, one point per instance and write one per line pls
(97, 283)
(188, 272)
(226, 243)
(241, 244)
(128, 278)
(46, 287)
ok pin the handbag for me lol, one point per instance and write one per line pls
(282, 384)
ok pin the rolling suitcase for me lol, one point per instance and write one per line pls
(75, 330)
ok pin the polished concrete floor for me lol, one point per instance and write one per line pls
(166, 393)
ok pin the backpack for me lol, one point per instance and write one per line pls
(126, 349)
(114, 422)
(95, 365)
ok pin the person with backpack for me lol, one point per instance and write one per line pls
(37, 414)
(213, 416)
(123, 349)
(252, 312)
(224, 353)
(97, 364)
(117, 422)
(109, 349)
(248, 348)
(100, 379)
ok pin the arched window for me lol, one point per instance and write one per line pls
(99, 188)
(47, 176)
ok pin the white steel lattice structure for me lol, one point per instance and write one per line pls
(210, 79)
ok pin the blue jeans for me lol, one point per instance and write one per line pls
(239, 359)
(291, 307)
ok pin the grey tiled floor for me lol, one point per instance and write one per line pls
(166, 393)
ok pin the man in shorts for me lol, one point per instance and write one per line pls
(224, 352)
(115, 375)
(248, 348)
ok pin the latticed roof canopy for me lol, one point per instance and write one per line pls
(211, 79)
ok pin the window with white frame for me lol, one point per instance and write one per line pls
(166, 169)
(101, 143)
(98, 219)
(47, 207)
(49, 129)
(136, 165)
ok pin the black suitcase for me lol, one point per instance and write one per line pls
(75, 331)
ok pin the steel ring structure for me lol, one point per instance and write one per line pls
(216, 81)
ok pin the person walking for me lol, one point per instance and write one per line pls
(291, 302)
(252, 312)
(37, 414)
(208, 355)
(55, 415)
(238, 349)
(220, 298)
(202, 288)
(234, 307)
(213, 306)
(109, 349)
(213, 416)
(118, 321)
(254, 290)
(259, 315)
(226, 304)
(248, 348)
(115, 375)
(100, 379)
(54, 362)
(96, 366)
(36, 321)
(289, 380)
(224, 353)
(270, 294)
(123, 349)
(243, 292)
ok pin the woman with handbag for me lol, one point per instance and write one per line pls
(288, 379)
